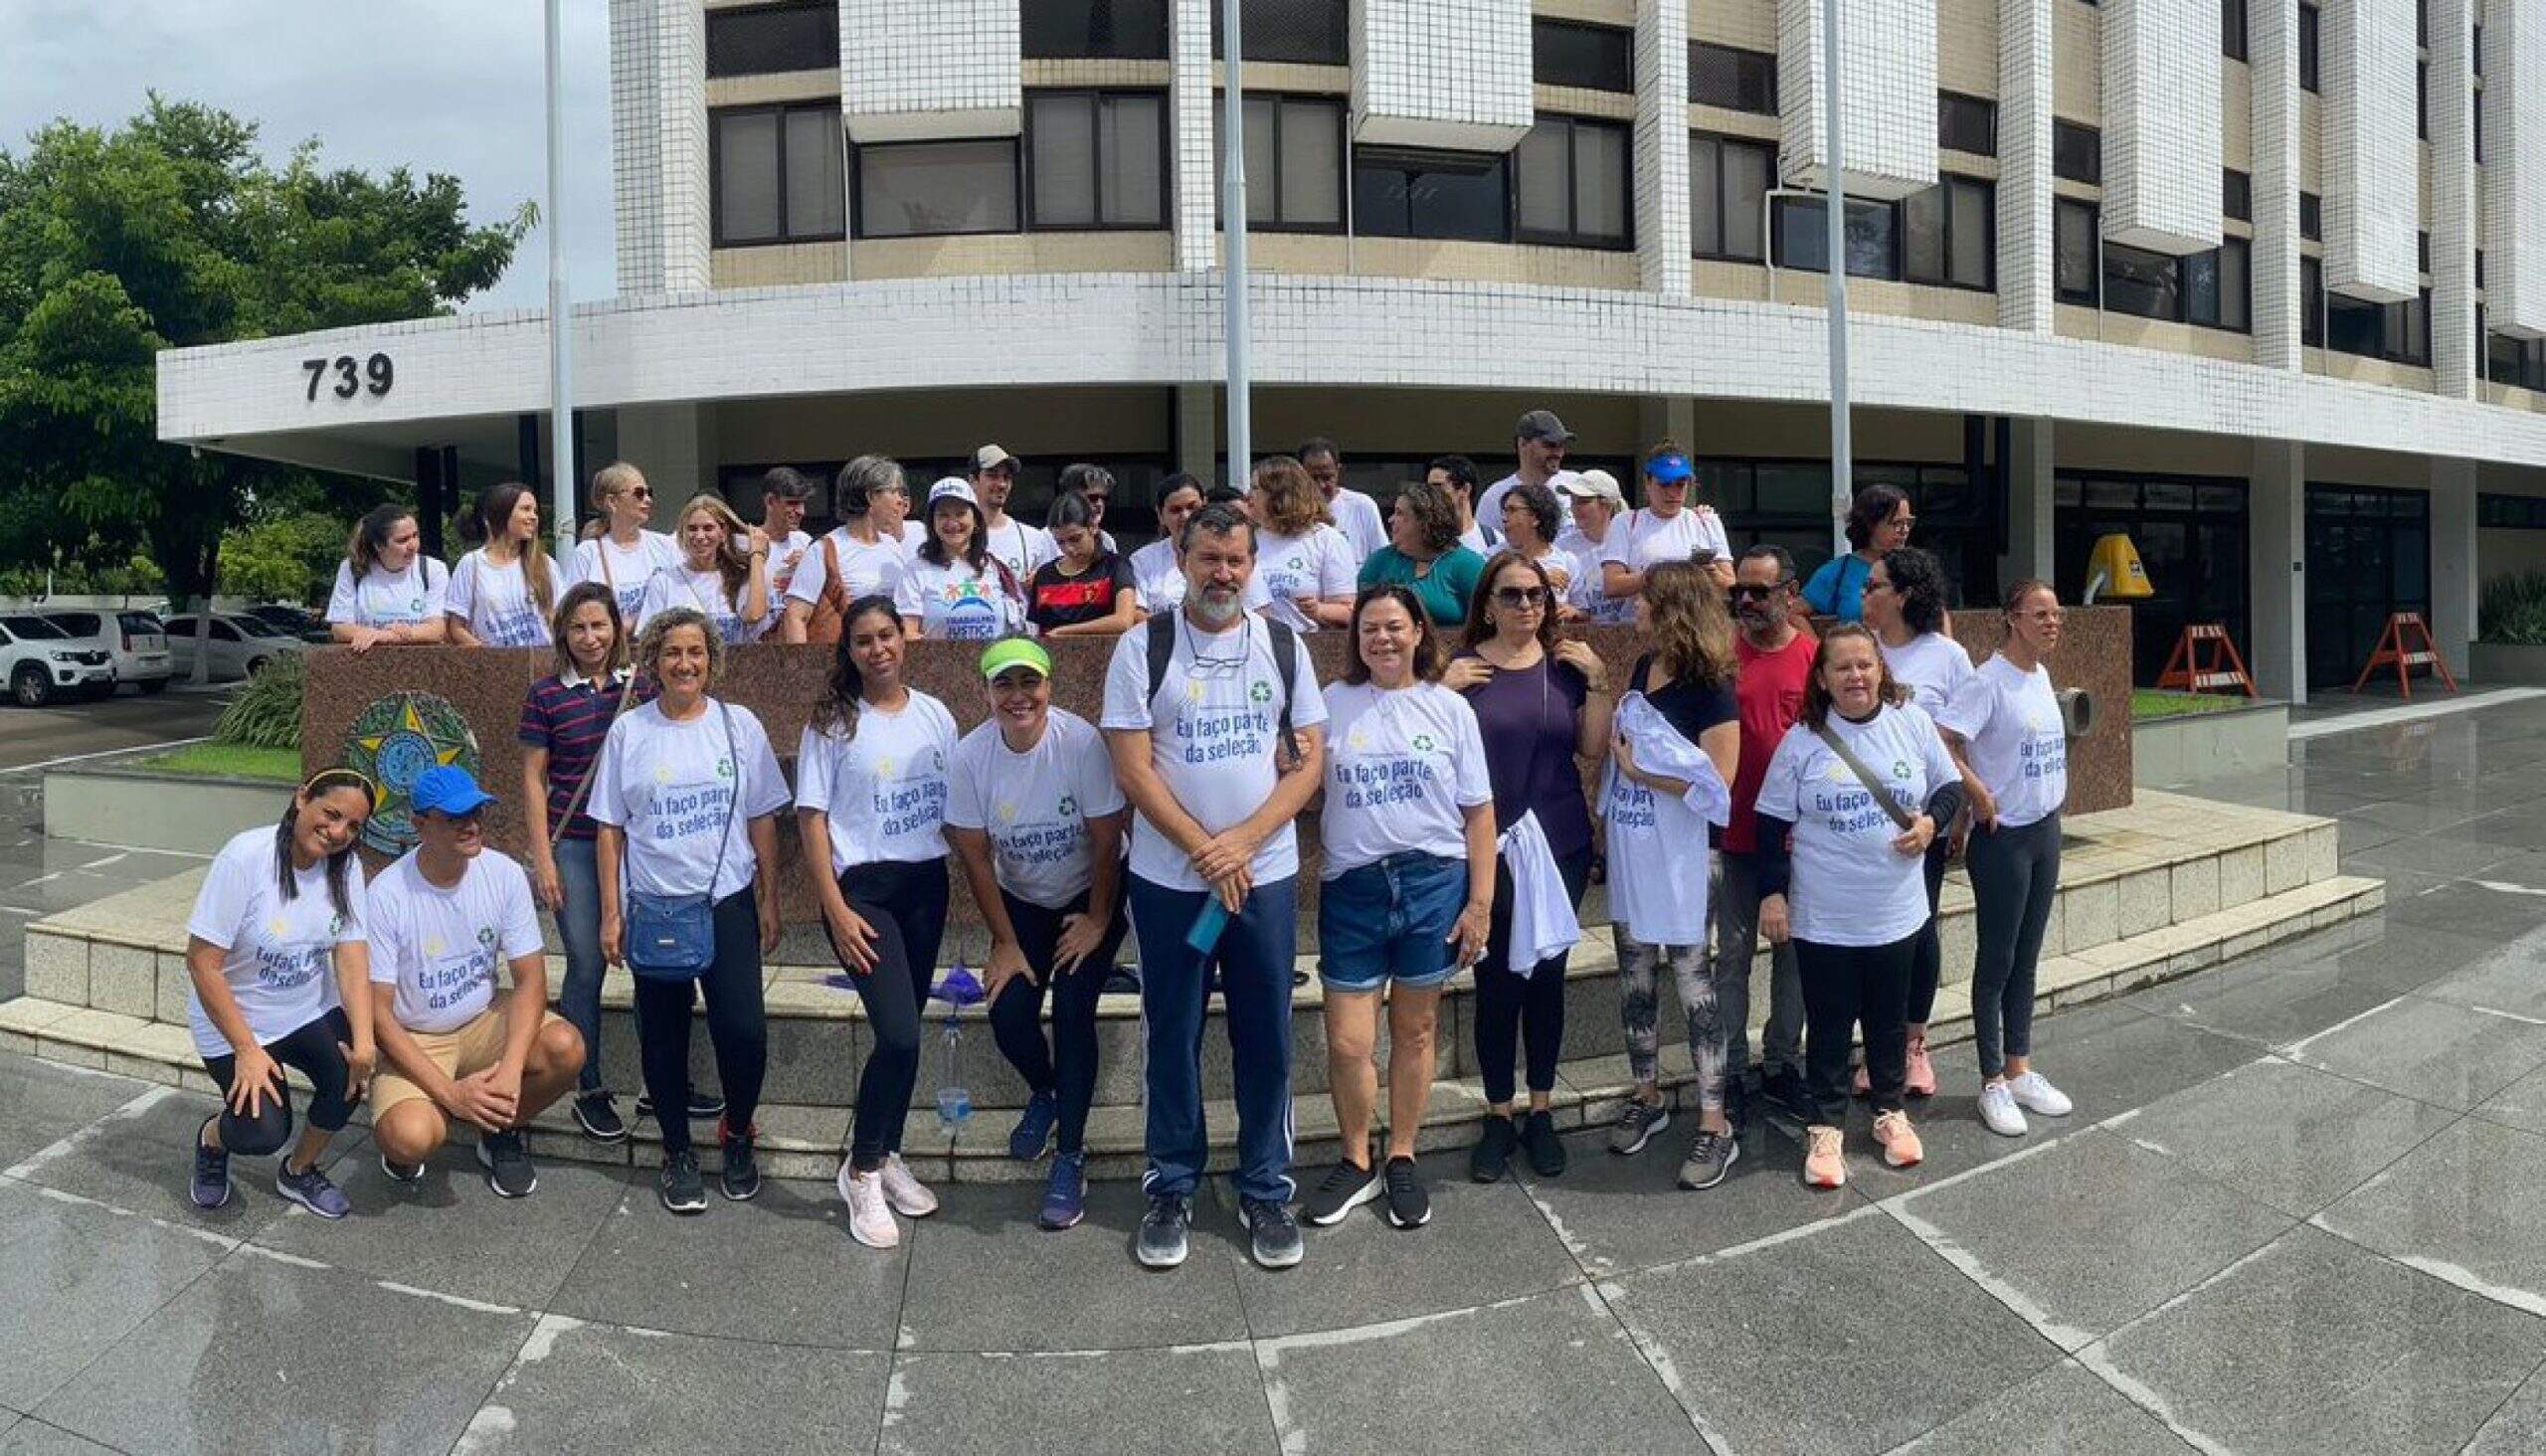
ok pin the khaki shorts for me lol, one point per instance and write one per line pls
(462, 1053)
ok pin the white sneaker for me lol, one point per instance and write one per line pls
(2034, 1093)
(871, 1220)
(909, 1196)
(1998, 1110)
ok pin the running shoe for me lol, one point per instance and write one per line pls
(1273, 1233)
(1901, 1145)
(1545, 1149)
(1637, 1123)
(1064, 1193)
(1710, 1158)
(1490, 1158)
(2034, 1093)
(902, 1188)
(683, 1191)
(1034, 1127)
(311, 1191)
(870, 1216)
(1408, 1206)
(212, 1172)
(1825, 1165)
(1999, 1113)
(507, 1163)
(739, 1178)
(597, 1113)
(1162, 1243)
(1344, 1189)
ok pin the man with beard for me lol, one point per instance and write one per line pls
(1776, 661)
(1212, 714)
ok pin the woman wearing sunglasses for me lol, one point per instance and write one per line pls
(619, 552)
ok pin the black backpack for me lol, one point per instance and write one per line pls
(1286, 666)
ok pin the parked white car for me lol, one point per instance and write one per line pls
(135, 641)
(40, 661)
(239, 645)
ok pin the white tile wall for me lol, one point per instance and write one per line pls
(2161, 127)
(2271, 49)
(1196, 205)
(2515, 167)
(1662, 145)
(658, 143)
(1442, 72)
(2457, 355)
(2025, 282)
(1887, 94)
(912, 70)
(2371, 158)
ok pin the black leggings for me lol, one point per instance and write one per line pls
(737, 1023)
(906, 904)
(1926, 959)
(315, 1051)
(1845, 986)
(1067, 1067)
(1508, 1006)
(2015, 877)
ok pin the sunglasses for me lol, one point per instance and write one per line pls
(1519, 598)
(1751, 591)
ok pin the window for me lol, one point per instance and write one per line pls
(1728, 181)
(923, 189)
(1595, 56)
(1968, 123)
(2215, 288)
(2399, 333)
(2311, 302)
(778, 174)
(2479, 268)
(1306, 32)
(1735, 79)
(1948, 234)
(2511, 512)
(2312, 217)
(2421, 101)
(1293, 162)
(2422, 252)
(1569, 184)
(1871, 239)
(2077, 152)
(2073, 270)
(2146, 285)
(1096, 159)
(772, 38)
(1121, 29)
(2236, 195)
(1405, 192)
(2308, 49)
(2191, 533)
(2231, 28)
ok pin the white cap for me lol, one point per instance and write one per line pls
(953, 488)
(1592, 485)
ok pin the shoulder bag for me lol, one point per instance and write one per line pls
(674, 937)
(1881, 792)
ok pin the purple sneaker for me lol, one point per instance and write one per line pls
(311, 1191)
(212, 1174)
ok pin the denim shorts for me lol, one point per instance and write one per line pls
(1389, 919)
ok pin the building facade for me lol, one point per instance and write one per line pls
(2260, 282)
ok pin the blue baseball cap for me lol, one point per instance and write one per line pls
(447, 790)
(1668, 467)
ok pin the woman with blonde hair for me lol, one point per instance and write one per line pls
(1305, 563)
(502, 592)
(617, 550)
(723, 573)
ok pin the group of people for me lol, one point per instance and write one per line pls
(1474, 770)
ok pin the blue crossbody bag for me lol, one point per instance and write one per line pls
(674, 937)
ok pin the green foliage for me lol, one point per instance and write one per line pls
(2148, 703)
(289, 557)
(227, 761)
(171, 230)
(2512, 611)
(267, 712)
(137, 577)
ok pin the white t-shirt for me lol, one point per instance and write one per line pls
(866, 569)
(278, 955)
(701, 591)
(623, 569)
(1161, 581)
(1933, 666)
(1318, 563)
(1021, 546)
(1657, 854)
(668, 785)
(389, 598)
(1481, 538)
(2014, 739)
(955, 603)
(1641, 540)
(1357, 516)
(881, 790)
(1034, 805)
(786, 558)
(1587, 592)
(1849, 886)
(441, 947)
(1215, 730)
(1402, 768)
(496, 602)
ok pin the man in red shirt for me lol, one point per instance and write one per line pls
(1776, 661)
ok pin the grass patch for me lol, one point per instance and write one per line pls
(226, 761)
(2148, 703)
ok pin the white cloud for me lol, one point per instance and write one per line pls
(447, 85)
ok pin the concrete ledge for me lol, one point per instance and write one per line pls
(186, 813)
(2496, 663)
(2192, 748)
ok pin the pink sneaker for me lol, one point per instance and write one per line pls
(1824, 1166)
(1859, 1084)
(1901, 1145)
(1922, 1081)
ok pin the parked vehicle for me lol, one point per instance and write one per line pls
(239, 645)
(290, 620)
(40, 661)
(136, 642)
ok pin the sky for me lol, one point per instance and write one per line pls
(439, 86)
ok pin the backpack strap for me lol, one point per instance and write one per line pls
(1162, 630)
(1286, 666)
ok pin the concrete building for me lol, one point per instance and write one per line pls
(2262, 283)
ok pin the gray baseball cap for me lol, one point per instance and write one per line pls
(1543, 425)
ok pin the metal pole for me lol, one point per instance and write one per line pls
(561, 399)
(1233, 231)
(1842, 453)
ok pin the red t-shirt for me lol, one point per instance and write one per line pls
(1769, 693)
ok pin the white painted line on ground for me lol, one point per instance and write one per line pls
(2069, 1338)
(82, 758)
(34, 1162)
(2413, 712)
(483, 1306)
(2297, 1049)
(2510, 1016)
(2099, 1360)
(2032, 1150)
(2448, 1273)
(2507, 888)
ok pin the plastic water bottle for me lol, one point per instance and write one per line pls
(960, 989)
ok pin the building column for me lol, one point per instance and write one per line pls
(1669, 416)
(2272, 43)
(1662, 146)
(2456, 354)
(2027, 466)
(2025, 243)
(1197, 430)
(1195, 175)
(658, 146)
(2454, 575)
(675, 446)
(2276, 563)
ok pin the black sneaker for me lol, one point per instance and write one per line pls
(1408, 1206)
(1490, 1158)
(405, 1172)
(1545, 1149)
(1344, 1189)
(1162, 1242)
(703, 1106)
(1274, 1233)
(1786, 1093)
(597, 1113)
(683, 1191)
(740, 1180)
(507, 1163)
(212, 1172)
(1710, 1158)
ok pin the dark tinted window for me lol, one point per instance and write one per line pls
(1599, 57)
(2312, 217)
(1740, 81)
(141, 621)
(1096, 159)
(1872, 236)
(1308, 31)
(1293, 162)
(1729, 180)
(933, 188)
(2236, 195)
(1968, 123)
(2077, 152)
(2311, 302)
(772, 38)
(1412, 193)
(78, 623)
(2074, 250)
(1134, 30)
(34, 628)
(777, 174)
(2231, 28)
(1948, 234)
(1571, 183)
(2148, 284)
(2307, 47)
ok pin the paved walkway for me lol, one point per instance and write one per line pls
(2295, 1212)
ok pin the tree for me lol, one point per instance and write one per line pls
(170, 231)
